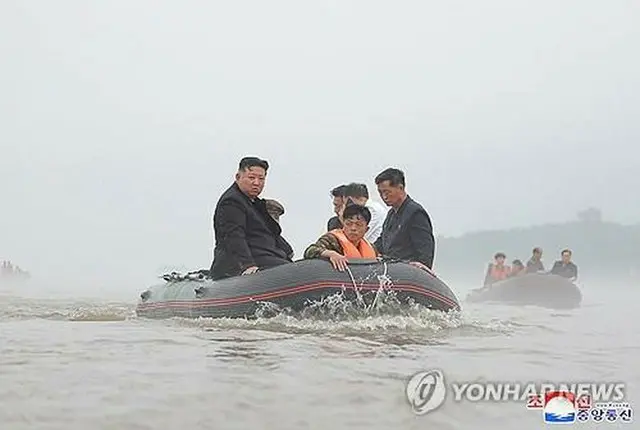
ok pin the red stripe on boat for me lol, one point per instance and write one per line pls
(287, 291)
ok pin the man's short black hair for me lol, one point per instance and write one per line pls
(338, 191)
(356, 190)
(393, 175)
(249, 162)
(566, 251)
(499, 254)
(357, 210)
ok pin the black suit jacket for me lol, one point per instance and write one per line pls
(245, 235)
(568, 271)
(407, 234)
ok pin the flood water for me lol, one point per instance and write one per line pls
(92, 365)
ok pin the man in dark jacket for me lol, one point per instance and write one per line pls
(565, 267)
(407, 233)
(247, 237)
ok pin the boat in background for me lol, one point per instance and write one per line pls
(537, 289)
(11, 275)
(294, 287)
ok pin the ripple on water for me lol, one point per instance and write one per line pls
(18, 308)
(336, 366)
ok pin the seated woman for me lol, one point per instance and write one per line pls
(348, 242)
(497, 271)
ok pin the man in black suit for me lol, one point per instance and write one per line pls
(407, 233)
(565, 267)
(247, 237)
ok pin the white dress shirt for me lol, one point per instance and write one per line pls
(378, 215)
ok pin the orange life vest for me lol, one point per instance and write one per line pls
(364, 249)
(499, 273)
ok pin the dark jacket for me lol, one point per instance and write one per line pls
(569, 270)
(407, 234)
(333, 223)
(245, 235)
(534, 266)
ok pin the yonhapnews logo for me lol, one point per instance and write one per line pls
(427, 390)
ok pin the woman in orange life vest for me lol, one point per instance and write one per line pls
(348, 242)
(497, 271)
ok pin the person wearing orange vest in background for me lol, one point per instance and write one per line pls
(497, 271)
(342, 244)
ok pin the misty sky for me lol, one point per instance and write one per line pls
(121, 122)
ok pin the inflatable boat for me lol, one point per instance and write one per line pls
(293, 286)
(538, 289)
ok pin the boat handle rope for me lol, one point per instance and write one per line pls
(355, 286)
(381, 278)
(353, 279)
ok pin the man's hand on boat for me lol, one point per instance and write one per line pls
(338, 261)
(250, 270)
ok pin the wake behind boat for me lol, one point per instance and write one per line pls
(538, 289)
(294, 286)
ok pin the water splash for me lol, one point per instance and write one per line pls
(101, 313)
(387, 321)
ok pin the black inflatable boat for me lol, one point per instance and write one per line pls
(293, 286)
(538, 289)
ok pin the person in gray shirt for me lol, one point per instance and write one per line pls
(535, 262)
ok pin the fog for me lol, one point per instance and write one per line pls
(122, 122)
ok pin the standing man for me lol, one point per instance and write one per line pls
(247, 237)
(338, 202)
(407, 233)
(359, 194)
(565, 266)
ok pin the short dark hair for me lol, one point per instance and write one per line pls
(249, 162)
(356, 190)
(357, 210)
(566, 251)
(338, 191)
(393, 175)
(499, 254)
(537, 249)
